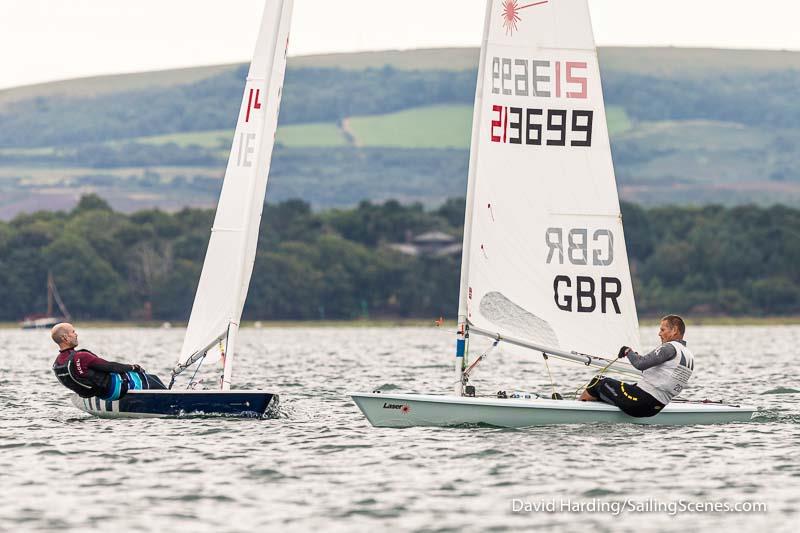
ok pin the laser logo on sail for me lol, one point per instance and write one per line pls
(510, 14)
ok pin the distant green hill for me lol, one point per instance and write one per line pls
(99, 85)
(687, 125)
(653, 61)
(696, 62)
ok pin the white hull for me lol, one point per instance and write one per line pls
(407, 410)
(40, 323)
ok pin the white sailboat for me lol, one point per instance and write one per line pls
(544, 264)
(231, 252)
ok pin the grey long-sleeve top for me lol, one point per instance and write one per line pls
(660, 355)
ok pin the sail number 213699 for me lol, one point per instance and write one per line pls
(532, 126)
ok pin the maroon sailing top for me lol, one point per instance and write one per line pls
(85, 360)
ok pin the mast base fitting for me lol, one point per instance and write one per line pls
(557, 396)
(469, 391)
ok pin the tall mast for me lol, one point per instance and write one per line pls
(49, 293)
(53, 296)
(463, 295)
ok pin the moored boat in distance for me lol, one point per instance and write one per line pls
(544, 266)
(48, 319)
(40, 321)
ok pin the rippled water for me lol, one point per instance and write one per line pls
(322, 466)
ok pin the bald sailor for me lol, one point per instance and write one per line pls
(88, 375)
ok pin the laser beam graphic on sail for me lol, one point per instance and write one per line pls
(511, 9)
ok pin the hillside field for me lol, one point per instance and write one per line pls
(448, 126)
(687, 126)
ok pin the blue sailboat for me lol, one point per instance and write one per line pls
(214, 323)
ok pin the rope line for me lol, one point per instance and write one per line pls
(191, 379)
(596, 379)
(550, 375)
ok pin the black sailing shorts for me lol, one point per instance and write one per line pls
(631, 400)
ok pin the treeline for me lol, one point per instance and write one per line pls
(334, 265)
(108, 265)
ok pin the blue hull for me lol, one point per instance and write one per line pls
(168, 403)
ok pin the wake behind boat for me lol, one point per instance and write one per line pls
(544, 265)
(214, 323)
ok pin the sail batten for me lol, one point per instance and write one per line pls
(544, 258)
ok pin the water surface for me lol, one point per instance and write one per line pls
(321, 466)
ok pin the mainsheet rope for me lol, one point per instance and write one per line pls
(596, 379)
(556, 395)
(197, 369)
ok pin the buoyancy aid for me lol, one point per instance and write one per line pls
(92, 384)
(667, 380)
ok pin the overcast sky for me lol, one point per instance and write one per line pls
(43, 40)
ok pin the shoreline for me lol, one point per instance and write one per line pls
(412, 322)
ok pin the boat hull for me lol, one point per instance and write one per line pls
(182, 403)
(40, 323)
(407, 410)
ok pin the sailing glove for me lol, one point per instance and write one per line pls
(623, 352)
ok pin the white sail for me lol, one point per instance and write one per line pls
(228, 265)
(544, 258)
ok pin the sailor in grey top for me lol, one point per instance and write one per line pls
(665, 372)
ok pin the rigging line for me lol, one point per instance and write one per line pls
(191, 379)
(478, 360)
(592, 381)
(552, 383)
